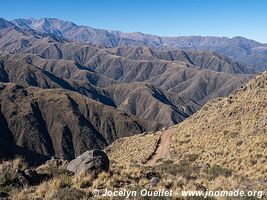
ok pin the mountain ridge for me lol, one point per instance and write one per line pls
(90, 69)
(238, 48)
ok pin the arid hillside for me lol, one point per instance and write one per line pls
(61, 123)
(230, 133)
(223, 145)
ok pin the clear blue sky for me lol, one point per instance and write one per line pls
(230, 18)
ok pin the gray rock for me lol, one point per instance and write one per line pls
(91, 162)
(154, 181)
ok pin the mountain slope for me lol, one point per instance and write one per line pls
(230, 132)
(30, 70)
(5, 24)
(148, 102)
(24, 70)
(60, 123)
(72, 31)
(237, 48)
(201, 59)
(220, 147)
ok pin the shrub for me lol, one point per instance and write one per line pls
(68, 194)
(216, 171)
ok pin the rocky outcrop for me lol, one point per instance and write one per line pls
(91, 162)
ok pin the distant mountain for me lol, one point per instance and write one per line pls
(47, 61)
(241, 49)
(202, 59)
(71, 31)
(5, 24)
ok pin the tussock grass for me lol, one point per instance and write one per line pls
(136, 149)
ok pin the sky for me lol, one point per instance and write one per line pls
(247, 18)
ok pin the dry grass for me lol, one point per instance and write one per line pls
(229, 137)
(181, 175)
(8, 175)
(138, 148)
(81, 185)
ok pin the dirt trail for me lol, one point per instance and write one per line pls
(163, 149)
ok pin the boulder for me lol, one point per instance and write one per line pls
(92, 162)
(154, 181)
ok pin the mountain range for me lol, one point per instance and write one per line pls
(240, 49)
(48, 73)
